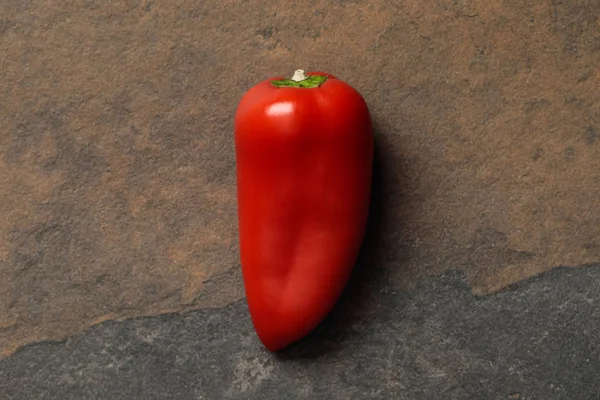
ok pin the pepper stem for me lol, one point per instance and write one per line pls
(300, 80)
(299, 75)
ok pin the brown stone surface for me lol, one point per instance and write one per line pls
(116, 151)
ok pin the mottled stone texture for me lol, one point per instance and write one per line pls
(117, 163)
(536, 341)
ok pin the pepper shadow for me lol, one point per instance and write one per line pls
(368, 278)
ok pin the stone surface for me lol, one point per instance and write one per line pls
(537, 340)
(117, 164)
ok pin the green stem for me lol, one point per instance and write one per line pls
(300, 80)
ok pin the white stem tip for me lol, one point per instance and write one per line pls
(298, 75)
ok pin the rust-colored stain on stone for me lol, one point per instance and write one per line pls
(116, 147)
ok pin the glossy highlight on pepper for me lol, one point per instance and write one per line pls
(304, 153)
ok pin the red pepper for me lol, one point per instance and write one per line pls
(304, 155)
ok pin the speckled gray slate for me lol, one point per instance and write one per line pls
(539, 339)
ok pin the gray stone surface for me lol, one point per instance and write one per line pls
(538, 339)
